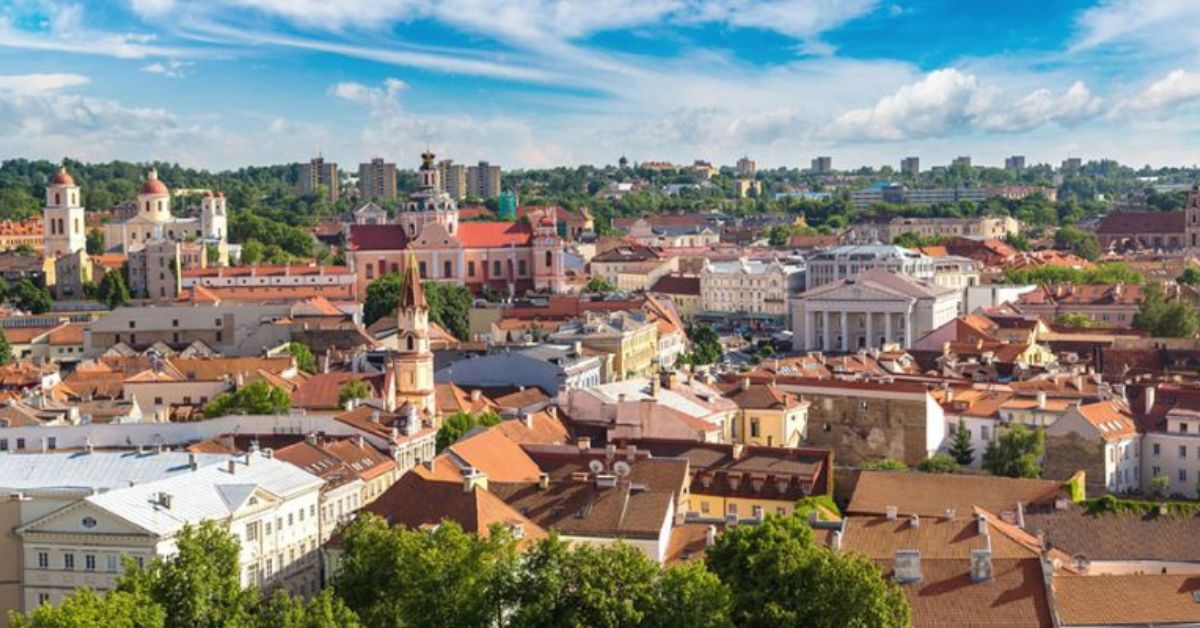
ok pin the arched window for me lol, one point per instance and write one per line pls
(57, 198)
(548, 259)
(411, 346)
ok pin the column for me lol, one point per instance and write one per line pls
(810, 329)
(908, 330)
(827, 333)
(887, 326)
(870, 329)
(845, 333)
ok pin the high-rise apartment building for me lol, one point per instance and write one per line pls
(1072, 164)
(1016, 162)
(962, 160)
(318, 173)
(822, 165)
(453, 178)
(483, 180)
(377, 180)
(910, 166)
(746, 168)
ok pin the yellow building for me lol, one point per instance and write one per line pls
(768, 416)
(631, 338)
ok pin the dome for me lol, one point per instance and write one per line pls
(153, 185)
(62, 177)
(207, 194)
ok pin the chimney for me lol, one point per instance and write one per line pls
(981, 525)
(231, 466)
(474, 478)
(655, 386)
(951, 513)
(737, 450)
(528, 420)
(544, 481)
(606, 480)
(164, 500)
(476, 394)
(745, 383)
(311, 439)
(359, 441)
(710, 536)
(837, 540)
(908, 566)
(981, 565)
(914, 521)
(193, 463)
(1041, 400)
(631, 453)
(1148, 397)
(269, 453)
(375, 416)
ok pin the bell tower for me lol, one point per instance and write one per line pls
(64, 228)
(414, 360)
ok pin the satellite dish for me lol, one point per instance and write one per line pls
(622, 468)
(596, 466)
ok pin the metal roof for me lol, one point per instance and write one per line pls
(99, 470)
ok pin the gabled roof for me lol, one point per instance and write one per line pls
(378, 237)
(1112, 419)
(494, 234)
(930, 494)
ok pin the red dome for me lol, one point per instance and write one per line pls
(153, 185)
(207, 194)
(62, 177)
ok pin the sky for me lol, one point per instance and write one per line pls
(538, 83)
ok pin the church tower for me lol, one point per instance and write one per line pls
(429, 203)
(414, 360)
(1191, 223)
(154, 199)
(213, 217)
(64, 228)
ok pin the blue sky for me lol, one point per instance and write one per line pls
(225, 83)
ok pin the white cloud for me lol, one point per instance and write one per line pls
(67, 30)
(372, 96)
(172, 68)
(1140, 25)
(35, 83)
(1176, 88)
(949, 101)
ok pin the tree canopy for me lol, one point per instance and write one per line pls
(1016, 453)
(458, 424)
(255, 398)
(1162, 318)
(112, 290)
(303, 355)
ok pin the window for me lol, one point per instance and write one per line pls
(252, 531)
(132, 324)
(1183, 475)
(175, 322)
(110, 563)
(985, 432)
(89, 562)
(1183, 451)
(421, 269)
(20, 443)
(52, 442)
(447, 269)
(139, 561)
(521, 267)
(290, 520)
(301, 514)
(267, 528)
(731, 509)
(312, 510)
(43, 598)
(471, 268)
(68, 561)
(43, 559)
(754, 428)
(158, 401)
(1183, 427)
(496, 267)
(370, 272)
(3, 444)
(1156, 450)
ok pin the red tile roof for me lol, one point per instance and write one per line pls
(1116, 223)
(494, 234)
(378, 237)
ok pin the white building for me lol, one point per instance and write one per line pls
(991, 295)
(153, 221)
(268, 505)
(852, 260)
(877, 308)
(65, 231)
(1102, 439)
(554, 368)
(749, 286)
(953, 271)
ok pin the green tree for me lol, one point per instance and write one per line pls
(1016, 453)
(449, 306)
(252, 253)
(353, 389)
(394, 577)
(303, 355)
(94, 244)
(886, 464)
(200, 585)
(1079, 242)
(939, 463)
(458, 424)
(112, 290)
(1190, 276)
(1073, 319)
(613, 586)
(779, 235)
(31, 298)
(961, 449)
(255, 398)
(706, 345)
(777, 576)
(6, 354)
(383, 297)
(212, 253)
(1159, 485)
(324, 610)
(1161, 318)
(599, 285)
(1017, 241)
(84, 608)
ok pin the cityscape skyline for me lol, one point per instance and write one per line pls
(542, 82)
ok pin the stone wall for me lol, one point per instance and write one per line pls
(1071, 452)
(859, 429)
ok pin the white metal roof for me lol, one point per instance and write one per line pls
(99, 470)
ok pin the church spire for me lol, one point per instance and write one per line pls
(412, 295)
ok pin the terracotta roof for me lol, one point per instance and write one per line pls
(1118, 600)
(494, 234)
(930, 494)
(379, 237)
(451, 398)
(360, 457)
(322, 389)
(416, 501)
(1115, 536)
(761, 397)
(1120, 223)
(492, 452)
(62, 177)
(749, 472)
(314, 459)
(543, 428)
(677, 284)
(1112, 419)
(522, 398)
(1082, 294)
(153, 185)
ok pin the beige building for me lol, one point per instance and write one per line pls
(377, 180)
(72, 271)
(749, 287)
(483, 180)
(640, 276)
(873, 310)
(630, 337)
(683, 291)
(453, 179)
(768, 416)
(156, 269)
(981, 228)
(317, 174)
(268, 505)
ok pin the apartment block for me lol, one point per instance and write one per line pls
(377, 180)
(317, 174)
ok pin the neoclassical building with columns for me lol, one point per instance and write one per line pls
(876, 308)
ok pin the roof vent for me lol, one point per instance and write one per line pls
(914, 521)
(891, 513)
(908, 566)
(981, 565)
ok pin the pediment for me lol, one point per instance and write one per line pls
(82, 517)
